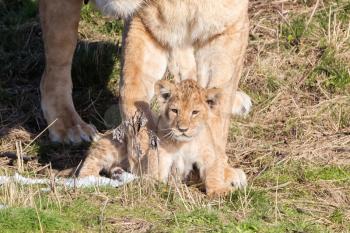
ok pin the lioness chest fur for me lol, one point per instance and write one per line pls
(180, 23)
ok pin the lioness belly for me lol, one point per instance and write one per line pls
(178, 23)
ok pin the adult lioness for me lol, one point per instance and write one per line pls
(212, 32)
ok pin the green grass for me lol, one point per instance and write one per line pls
(329, 173)
(336, 71)
(90, 211)
(28, 220)
(251, 211)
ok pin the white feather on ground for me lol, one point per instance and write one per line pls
(88, 181)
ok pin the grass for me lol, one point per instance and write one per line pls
(295, 145)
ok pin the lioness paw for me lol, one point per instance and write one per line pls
(238, 178)
(60, 132)
(219, 192)
(242, 104)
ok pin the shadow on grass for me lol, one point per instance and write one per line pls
(21, 66)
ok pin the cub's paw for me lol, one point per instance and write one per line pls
(219, 192)
(236, 177)
(242, 104)
(116, 173)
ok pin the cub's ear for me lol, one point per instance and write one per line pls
(214, 96)
(163, 90)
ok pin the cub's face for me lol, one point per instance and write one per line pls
(184, 108)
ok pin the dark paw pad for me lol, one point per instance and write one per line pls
(116, 173)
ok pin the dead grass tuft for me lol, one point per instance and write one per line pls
(130, 225)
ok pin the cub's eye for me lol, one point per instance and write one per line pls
(174, 110)
(195, 112)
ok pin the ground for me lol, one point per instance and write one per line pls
(294, 145)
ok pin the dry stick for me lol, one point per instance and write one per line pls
(181, 197)
(277, 212)
(168, 197)
(19, 156)
(190, 196)
(75, 174)
(312, 14)
(329, 24)
(246, 201)
(31, 142)
(278, 186)
(102, 120)
(37, 214)
(53, 187)
(186, 195)
(102, 217)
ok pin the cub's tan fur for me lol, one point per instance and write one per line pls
(109, 154)
(212, 34)
(106, 155)
(186, 139)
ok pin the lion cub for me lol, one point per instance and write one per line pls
(186, 139)
(109, 155)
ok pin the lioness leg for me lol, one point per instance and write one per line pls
(219, 64)
(59, 22)
(145, 62)
(215, 184)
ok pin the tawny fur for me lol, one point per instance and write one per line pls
(185, 141)
(123, 149)
(186, 138)
(59, 23)
(105, 156)
(210, 34)
(175, 34)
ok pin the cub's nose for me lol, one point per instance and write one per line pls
(182, 129)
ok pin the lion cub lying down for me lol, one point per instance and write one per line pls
(109, 155)
(185, 141)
